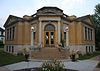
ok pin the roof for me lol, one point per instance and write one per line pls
(50, 7)
(12, 19)
(1, 29)
(84, 18)
(44, 11)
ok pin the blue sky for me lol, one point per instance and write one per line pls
(28, 7)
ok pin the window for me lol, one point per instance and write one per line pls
(13, 32)
(49, 27)
(86, 33)
(86, 49)
(34, 34)
(52, 37)
(91, 33)
(7, 48)
(12, 49)
(65, 36)
(91, 48)
(10, 34)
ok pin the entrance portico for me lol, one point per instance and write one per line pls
(50, 32)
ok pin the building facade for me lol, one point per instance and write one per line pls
(47, 28)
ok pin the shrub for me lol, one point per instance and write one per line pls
(98, 65)
(53, 65)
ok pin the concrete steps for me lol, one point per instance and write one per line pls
(50, 53)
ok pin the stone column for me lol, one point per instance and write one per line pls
(59, 32)
(31, 37)
(40, 38)
(67, 37)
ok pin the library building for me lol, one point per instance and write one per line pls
(49, 28)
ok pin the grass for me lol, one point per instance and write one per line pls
(7, 58)
(88, 56)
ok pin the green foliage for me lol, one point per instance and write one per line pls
(7, 58)
(1, 44)
(52, 66)
(89, 55)
(97, 9)
(96, 19)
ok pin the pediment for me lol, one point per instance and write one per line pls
(11, 19)
(88, 20)
(49, 11)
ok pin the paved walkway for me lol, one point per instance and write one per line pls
(97, 58)
(4, 69)
(96, 69)
(85, 65)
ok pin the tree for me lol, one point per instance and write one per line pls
(96, 19)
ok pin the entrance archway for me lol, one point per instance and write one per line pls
(49, 35)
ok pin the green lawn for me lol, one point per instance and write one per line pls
(88, 56)
(6, 58)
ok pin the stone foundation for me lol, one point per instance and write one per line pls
(16, 48)
(82, 48)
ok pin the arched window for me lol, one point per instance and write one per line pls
(49, 27)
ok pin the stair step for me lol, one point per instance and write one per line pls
(49, 53)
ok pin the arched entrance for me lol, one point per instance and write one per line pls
(49, 34)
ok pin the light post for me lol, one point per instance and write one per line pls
(32, 39)
(32, 36)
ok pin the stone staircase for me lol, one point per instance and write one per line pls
(50, 53)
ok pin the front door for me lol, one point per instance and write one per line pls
(49, 38)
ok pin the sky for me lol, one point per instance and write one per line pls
(29, 7)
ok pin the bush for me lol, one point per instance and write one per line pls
(53, 65)
(98, 66)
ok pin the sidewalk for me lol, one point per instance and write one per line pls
(4, 69)
(97, 58)
(84, 65)
(23, 65)
(96, 69)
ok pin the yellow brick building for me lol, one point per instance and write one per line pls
(47, 28)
